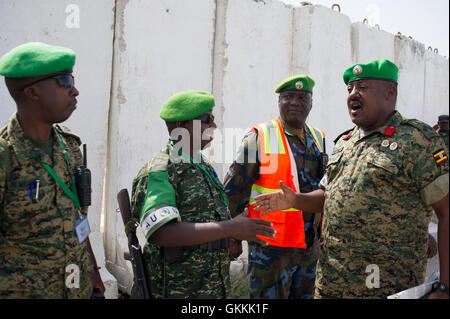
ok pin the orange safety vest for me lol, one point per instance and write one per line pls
(277, 163)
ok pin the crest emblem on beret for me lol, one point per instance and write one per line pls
(299, 85)
(357, 70)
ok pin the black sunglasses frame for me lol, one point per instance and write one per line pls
(59, 77)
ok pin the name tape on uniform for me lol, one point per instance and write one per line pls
(154, 220)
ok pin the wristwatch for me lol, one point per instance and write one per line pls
(440, 286)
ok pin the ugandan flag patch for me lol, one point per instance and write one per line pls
(440, 157)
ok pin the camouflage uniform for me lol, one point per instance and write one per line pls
(378, 198)
(295, 270)
(196, 273)
(37, 236)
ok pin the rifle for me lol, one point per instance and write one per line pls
(141, 289)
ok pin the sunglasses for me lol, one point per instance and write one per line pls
(66, 80)
(207, 118)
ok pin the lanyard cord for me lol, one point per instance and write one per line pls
(205, 171)
(72, 194)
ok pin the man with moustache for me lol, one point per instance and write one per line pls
(287, 149)
(182, 208)
(383, 179)
(40, 252)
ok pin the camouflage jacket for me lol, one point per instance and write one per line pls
(165, 181)
(37, 235)
(377, 208)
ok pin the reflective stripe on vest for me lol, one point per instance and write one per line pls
(276, 164)
(315, 133)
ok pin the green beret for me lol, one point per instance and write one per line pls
(377, 69)
(442, 118)
(36, 59)
(187, 105)
(296, 83)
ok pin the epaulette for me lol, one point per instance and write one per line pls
(426, 130)
(347, 133)
(67, 132)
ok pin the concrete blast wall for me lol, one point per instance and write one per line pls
(133, 54)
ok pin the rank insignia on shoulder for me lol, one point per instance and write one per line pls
(347, 136)
(440, 157)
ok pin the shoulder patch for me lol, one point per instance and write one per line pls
(342, 134)
(67, 132)
(440, 157)
(426, 130)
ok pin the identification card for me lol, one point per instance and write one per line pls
(82, 229)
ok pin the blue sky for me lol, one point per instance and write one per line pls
(425, 20)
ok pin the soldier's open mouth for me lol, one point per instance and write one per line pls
(355, 107)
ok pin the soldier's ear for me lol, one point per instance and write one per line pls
(31, 93)
(391, 92)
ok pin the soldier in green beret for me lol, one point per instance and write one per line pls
(295, 151)
(181, 206)
(41, 255)
(383, 179)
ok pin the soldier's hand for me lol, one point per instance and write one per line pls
(282, 200)
(245, 228)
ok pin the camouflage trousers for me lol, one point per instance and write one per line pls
(281, 273)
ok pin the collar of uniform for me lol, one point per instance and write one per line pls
(176, 155)
(395, 120)
(23, 148)
(291, 132)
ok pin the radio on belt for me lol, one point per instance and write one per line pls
(83, 181)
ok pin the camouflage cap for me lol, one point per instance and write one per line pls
(187, 105)
(300, 82)
(36, 59)
(376, 69)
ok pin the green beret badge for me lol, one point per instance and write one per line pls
(357, 70)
